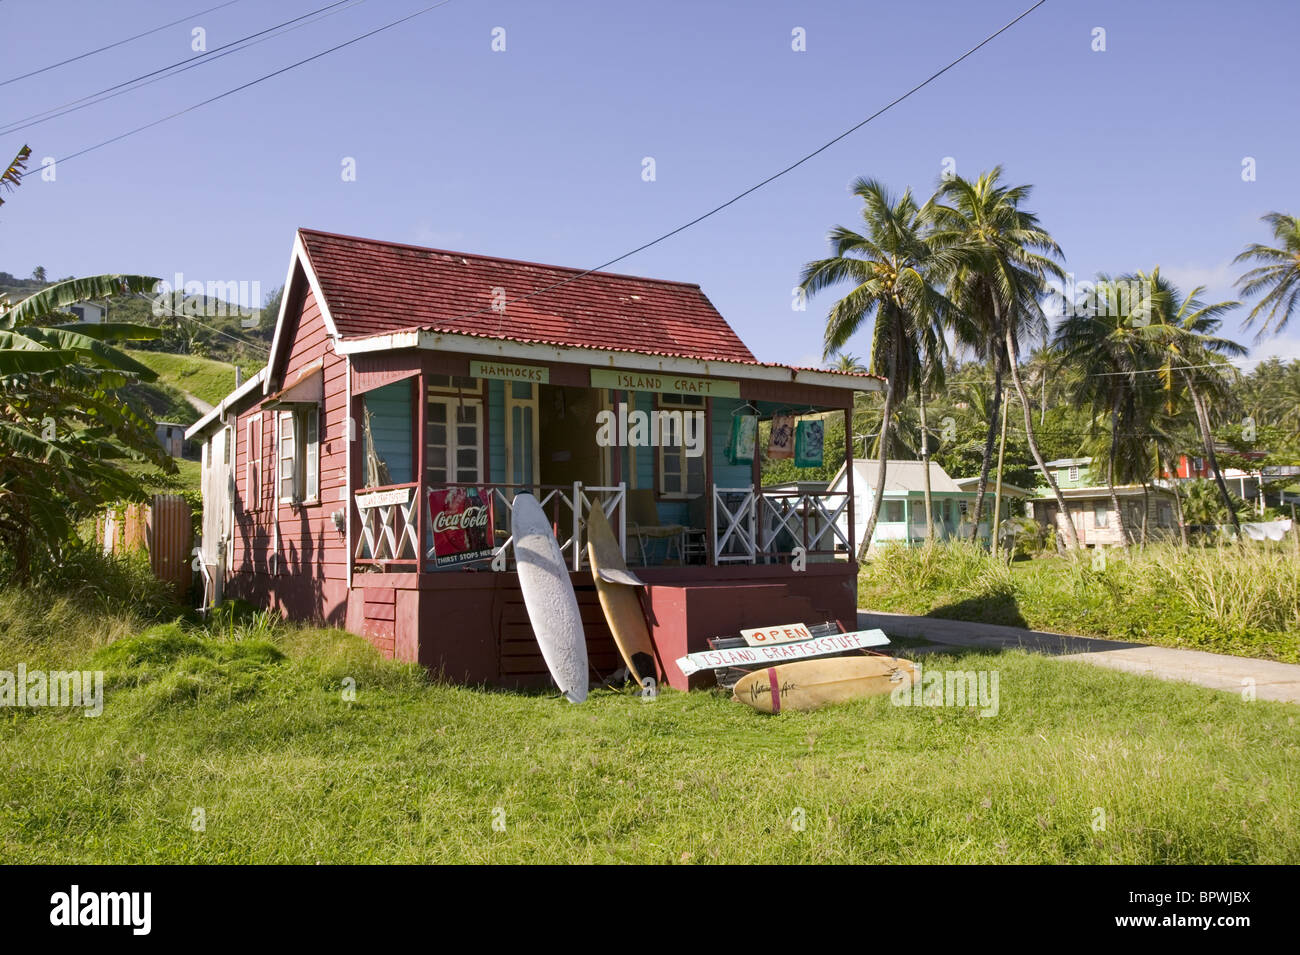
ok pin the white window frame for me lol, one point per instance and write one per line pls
(303, 439)
(253, 463)
(453, 403)
(686, 404)
(1074, 472)
(1102, 510)
(511, 403)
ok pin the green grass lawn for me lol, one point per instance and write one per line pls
(204, 378)
(253, 727)
(1242, 600)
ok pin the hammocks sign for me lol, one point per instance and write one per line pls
(462, 526)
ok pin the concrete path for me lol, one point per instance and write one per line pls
(1273, 681)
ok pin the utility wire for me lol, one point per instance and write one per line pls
(212, 328)
(260, 79)
(82, 56)
(759, 185)
(172, 69)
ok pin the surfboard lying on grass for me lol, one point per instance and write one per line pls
(808, 684)
(548, 595)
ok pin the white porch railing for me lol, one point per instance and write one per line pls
(578, 499)
(759, 525)
(390, 531)
(735, 517)
(749, 525)
(810, 519)
(388, 525)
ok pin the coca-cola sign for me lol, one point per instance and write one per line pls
(464, 520)
(462, 526)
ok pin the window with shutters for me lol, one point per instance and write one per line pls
(298, 455)
(454, 454)
(253, 464)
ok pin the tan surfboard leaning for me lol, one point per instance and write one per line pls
(808, 684)
(616, 588)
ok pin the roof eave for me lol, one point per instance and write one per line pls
(624, 360)
(218, 414)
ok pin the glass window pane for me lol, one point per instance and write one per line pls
(467, 458)
(437, 457)
(437, 411)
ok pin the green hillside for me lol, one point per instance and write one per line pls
(204, 378)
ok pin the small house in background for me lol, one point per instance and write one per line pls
(902, 510)
(171, 435)
(1095, 520)
(90, 313)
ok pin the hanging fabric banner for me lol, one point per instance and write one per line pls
(744, 437)
(809, 443)
(781, 444)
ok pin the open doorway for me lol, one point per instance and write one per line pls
(567, 434)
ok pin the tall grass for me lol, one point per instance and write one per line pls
(95, 600)
(1236, 597)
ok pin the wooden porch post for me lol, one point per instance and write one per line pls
(711, 522)
(848, 472)
(421, 448)
(353, 476)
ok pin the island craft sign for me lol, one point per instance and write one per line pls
(780, 653)
(664, 384)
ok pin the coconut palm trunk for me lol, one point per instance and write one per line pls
(997, 489)
(878, 494)
(1207, 438)
(990, 438)
(925, 464)
(1032, 440)
(1110, 472)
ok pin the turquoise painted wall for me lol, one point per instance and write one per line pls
(391, 427)
(496, 420)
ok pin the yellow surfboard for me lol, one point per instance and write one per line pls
(616, 587)
(809, 684)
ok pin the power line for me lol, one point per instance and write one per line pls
(172, 69)
(759, 185)
(260, 79)
(82, 56)
(212, 328)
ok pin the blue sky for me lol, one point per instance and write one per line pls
(536, 152)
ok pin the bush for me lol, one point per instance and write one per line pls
(1241, 598)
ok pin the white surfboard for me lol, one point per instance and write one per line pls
(548, 595)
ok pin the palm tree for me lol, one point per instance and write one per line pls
(1108, 346)
(847, 364)
(1191, 353)
(1277, 274)
(889, 265)
(1003, 258)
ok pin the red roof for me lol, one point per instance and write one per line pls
(374, 287)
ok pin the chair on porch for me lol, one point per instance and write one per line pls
(643, 521)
